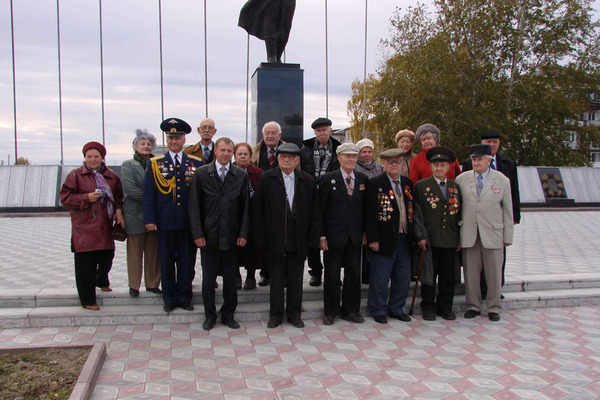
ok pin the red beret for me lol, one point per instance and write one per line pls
(94, 145)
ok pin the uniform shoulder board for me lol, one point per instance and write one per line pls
(158, 157)
(194, 157)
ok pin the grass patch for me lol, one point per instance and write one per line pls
(49, 373)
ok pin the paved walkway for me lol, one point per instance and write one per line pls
(534, 354)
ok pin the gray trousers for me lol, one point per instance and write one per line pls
(475, 259)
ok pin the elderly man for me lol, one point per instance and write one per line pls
(436, 231)
(220, 220)
(317, 157)
(342, 195)
(287, 220)
(165, 207)
(487, 228)
(204, 149)
(388, 222)
(264, 152)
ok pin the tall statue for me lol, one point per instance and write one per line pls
(271, 21)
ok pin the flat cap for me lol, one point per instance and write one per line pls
(320, 122)
(94, 145)
(347, 148)
(490, 134)
(365, 143)
(405, 133)
(175, 127)
(440, 153)
(478, 150)
(392, 153)
(288, 148)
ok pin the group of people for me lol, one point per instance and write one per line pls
(279, 204)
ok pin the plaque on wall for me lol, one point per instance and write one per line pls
(4, 178)
(33, 179)
(554, 187)
(48, 187)
(16, 186)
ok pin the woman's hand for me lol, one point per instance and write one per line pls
(94, 196)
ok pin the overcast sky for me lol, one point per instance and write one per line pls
(132, 74)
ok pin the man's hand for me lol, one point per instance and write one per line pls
(422, 244)
(119, 218)
(200, 242)
(241, 242)
(364, 242)
(323, 244)
(151, 227)
(458, 247)
(374, 246)
(506, 244)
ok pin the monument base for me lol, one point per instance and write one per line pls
(278, 95)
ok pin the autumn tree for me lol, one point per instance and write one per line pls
(526, 68)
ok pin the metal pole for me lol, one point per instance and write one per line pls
(101, 73)
(12, 36)
(364, 130)
(60, 116)
(247, 83)
(205, 64)
(162, 86)
(326, 66)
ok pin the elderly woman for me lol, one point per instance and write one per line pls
(94, 196)
(249, 257)
(365, 163)
(405, 140)
(429, 136)
(142, 244)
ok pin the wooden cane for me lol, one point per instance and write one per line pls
(412, 305)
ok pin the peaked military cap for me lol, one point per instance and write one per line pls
(175, 127)
(439, 154)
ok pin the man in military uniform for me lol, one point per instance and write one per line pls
(205, 148)
(436, 232)
(165, 205)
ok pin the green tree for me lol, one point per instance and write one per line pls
(526, 68)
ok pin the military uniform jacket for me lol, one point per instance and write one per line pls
(382, 217)
(196, 150)
(219, 211)
(166, 191)
(342, 214)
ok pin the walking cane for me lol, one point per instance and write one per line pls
(412, 305)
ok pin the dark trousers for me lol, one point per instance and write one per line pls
(224, 262)
(91, 271)
(315, 267)
(177, 254)
(444, 273)
(336, 258)
(288, 267)
(394, 270)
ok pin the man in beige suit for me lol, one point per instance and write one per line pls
(487, 227)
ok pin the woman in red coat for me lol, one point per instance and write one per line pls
(248, 256)
(429, 136)
(94, 196)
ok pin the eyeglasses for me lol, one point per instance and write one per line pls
(396, 161)
(206, 127)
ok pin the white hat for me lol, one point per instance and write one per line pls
(365, 143)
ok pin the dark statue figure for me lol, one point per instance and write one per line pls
(271, 21)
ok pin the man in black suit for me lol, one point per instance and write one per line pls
(388, 223)
(219, 210)
(509, 169)
(287, 220)
(342, 193)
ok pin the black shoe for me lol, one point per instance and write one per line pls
(356, 318)
(250, 284)
(315, 281)
(429, 316)
(472, 314)
(328, 320)
(297, 323)
(231, 324)
(402, 317)
(134, 292)
(380, 319)
(169, 307)
(238, 282)
(494, 316)
(154, 290)
(208, 324)
(365, 281)
(264, 281)
(187, 306)
(449, 316)
(273, 323)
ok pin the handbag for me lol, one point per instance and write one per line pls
(118, 233)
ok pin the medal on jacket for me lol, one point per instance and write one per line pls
(165, 186)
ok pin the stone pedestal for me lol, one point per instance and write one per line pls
(278, 95)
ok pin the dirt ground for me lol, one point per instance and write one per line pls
(41, 373)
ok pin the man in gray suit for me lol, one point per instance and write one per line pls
(487, 227)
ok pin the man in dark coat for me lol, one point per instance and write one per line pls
(388, 223)
(287, 220)
(271, 21)
(220, 220)
(318, 157)
(342, 195)
(509, 169)
(165, 206)
(436, 231)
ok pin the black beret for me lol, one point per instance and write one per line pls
(288, 148)
(478, 150)
(440, 153)
(490, 134)
(320, 122)
(175, 127)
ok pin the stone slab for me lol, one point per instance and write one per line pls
(530, 187)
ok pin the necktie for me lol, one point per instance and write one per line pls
(177, 164)
(271, 157)
(397, 189)
(223, 173)
(206, 153)
(349, 187)
(493, 164)
(443, 188)
(479, 184)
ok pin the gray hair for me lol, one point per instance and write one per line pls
(143, 134)
(271, 122)
(428, 128)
